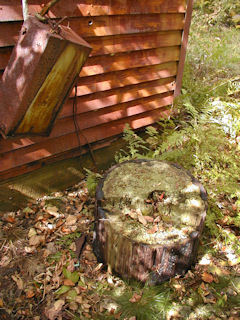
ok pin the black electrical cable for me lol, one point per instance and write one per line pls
(77, 129)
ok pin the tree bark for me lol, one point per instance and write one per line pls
(149, 217)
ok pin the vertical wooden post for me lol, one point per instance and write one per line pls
(183, 51)
(25, 9)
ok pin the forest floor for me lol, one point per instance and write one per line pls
(47, 266)
(48, 271)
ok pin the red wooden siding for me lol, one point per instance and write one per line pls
(130, 76)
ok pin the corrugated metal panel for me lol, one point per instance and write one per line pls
(129, 78)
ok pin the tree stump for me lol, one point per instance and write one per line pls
(149, 217)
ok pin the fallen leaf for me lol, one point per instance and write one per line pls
(209, 299)
(29, 249)
(79, 299)
(36, 240)
(71, 295)
(63, 289)
(142, 220)
(1, 303)
(79, 207)
(59, 223)
(10, 219)
(73, 246)
(207, 277)
(32, 232)
(73, 276)
(117, 315)
(73, 306)
(135, 298)
(53, 312)
(149, 219)
(53, 211)
(28, 210)
(68, 282)
(65, 230)
(30, 293)
(132, 214)
(18, 281)
(154, 229)
(158, 219)
(98, 267)
(71, 220)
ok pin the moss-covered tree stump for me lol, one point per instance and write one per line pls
(149, 217)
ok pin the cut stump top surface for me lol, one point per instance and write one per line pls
(149, 217)
(155, 189)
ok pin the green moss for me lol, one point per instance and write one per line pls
(127, 189)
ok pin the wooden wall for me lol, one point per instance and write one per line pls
(130, 76)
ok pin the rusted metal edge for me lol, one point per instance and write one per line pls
(183, 51)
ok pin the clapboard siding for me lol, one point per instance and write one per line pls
(110, 80)
(103, 99)
(118, 43)
(130, 76)
(65, 126)
(105, 26)
(49, 147)
(11, 10)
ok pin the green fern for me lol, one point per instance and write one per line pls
(136, 146)
(92, 181)
(153, 304)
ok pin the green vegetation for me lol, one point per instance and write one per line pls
(47, 271)
(203, 136)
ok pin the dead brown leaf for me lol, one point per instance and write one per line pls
(154, 229)
(18, 281)
(135, 297)
(158, 219)
(149, 219)
(53, 211)
(10, 219)
(68, 282)
(142, 220)
(36, 240)
(55, 310)
(30, 293)
(207, 277)
(133, 214)
(71, 220)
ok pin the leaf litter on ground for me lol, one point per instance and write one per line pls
(48, 267)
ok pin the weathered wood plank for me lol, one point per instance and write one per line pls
(103, 99)
(11, 10)
(134, 59)
(111, 80)
(105, 26)
(50, 147)
(119, 43)
(112, 113)
(134, 42)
